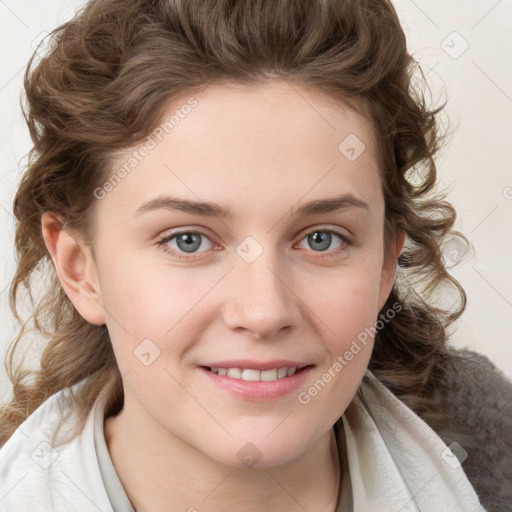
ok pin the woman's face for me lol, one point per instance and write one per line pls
(294, 276)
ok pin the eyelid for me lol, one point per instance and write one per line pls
(331, 228)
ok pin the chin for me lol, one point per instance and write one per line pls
(262, 453)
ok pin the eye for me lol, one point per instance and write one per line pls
(184, 242)
(321, 239)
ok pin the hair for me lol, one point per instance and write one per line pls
(103, 86)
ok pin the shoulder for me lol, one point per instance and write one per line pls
(40, 471)
(477, 398)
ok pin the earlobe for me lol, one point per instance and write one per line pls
(75, 267)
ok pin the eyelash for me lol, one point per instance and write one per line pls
(162, 242)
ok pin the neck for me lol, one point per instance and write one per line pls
(157, 469)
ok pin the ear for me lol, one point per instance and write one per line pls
(76, 268)
(390, 265)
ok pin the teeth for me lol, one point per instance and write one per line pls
(235, 373)
(282, 372)
(291, 371)
(269, 374)
(256, 375)
(249, 374)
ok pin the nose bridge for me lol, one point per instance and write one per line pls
(262, 301)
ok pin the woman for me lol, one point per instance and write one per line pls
(254, 371)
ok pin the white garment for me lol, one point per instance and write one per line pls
(402, 466)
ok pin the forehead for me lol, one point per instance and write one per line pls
(260, 143)
(259, 112)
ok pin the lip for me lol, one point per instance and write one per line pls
(258, 391)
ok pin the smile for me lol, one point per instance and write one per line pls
(257, 385)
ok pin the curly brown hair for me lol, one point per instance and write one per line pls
(102, 88)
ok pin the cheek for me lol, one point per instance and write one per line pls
(347, 301)
(148, 299)
(348, 312)
(153, 303)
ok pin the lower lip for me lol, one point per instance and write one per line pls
(259, 391)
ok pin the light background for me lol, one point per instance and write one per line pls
(476, 166)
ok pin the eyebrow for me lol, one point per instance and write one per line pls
(211, 209)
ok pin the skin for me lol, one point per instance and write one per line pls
(263, 151)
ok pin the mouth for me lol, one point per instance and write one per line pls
(271, 381)
(255, 375)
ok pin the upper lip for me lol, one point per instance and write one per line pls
(258, 365)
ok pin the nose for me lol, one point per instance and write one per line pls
(263, 300)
